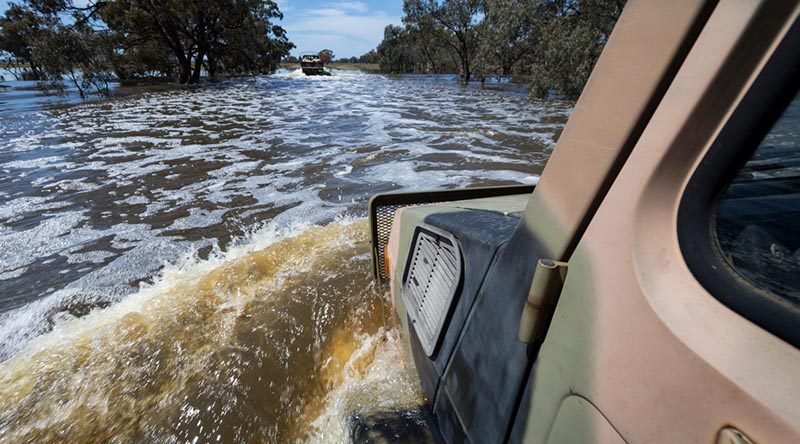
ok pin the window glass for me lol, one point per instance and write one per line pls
(758, 219)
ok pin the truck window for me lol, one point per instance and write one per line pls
(757, 223)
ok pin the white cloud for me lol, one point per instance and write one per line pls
(348, 28)
(360, 7)
(284, 5)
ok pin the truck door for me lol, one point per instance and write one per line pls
(679, 319)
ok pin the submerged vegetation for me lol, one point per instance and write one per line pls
(56, 40)
(553, 43)
(550, 44)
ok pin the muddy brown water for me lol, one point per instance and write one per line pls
(192, 265)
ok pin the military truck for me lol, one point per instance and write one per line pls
(313, 64)
(647, 289)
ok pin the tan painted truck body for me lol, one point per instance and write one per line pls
(637, 343)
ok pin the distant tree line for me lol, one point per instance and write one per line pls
(55, 40)
(370, 57)
(554, 43)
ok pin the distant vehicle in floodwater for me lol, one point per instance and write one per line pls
(313, 64)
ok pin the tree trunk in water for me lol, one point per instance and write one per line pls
(464, 56)
(36, 73)
(432, 61)
(198, 66)
(212, 67)
(185, 73)
(185, 66)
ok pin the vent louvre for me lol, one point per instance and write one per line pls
(430, 282)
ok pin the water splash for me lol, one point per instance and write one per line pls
(96, 198)
(236, 348)
(276, 335)
(374, 379)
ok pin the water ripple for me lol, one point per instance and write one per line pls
(96, 197)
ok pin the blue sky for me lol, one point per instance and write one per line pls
(349, 28)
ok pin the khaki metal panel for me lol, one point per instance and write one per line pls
(593, 429)
(627, 81)
(402, 232)
(634, 333)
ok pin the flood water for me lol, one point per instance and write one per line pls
(192, 265)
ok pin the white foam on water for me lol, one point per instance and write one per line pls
(385, 385)
(184, 272)
(88, 210)
(335, 74)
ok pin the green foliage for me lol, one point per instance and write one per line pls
(146, 60)
(76, 54)
(45, 49)
(370, 57)
(18, 29)
(571, 38)
(393, 51)
(126, 39)
(449, 25)
(228, 36)
(509, 34)
(553, 43)
(326, 55)
(405, 50)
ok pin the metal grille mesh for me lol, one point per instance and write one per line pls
(384, 216)
(383, 206)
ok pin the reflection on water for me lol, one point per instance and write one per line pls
(266, 325)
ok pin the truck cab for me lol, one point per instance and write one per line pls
(647, 289)
(313, 63)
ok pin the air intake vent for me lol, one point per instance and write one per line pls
(430, 282)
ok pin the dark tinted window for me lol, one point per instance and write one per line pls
(758, 220)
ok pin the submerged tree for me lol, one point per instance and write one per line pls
(326, 55)
(46, 49)
(572, 36)
(235, 36)
(54, 39)
(19, 28)
(77, 54)
(452, 23)
(512, 30)
(555, 43)
(393, 51)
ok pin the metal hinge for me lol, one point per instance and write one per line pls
(542, 298)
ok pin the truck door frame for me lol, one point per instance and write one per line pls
(637, 335)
